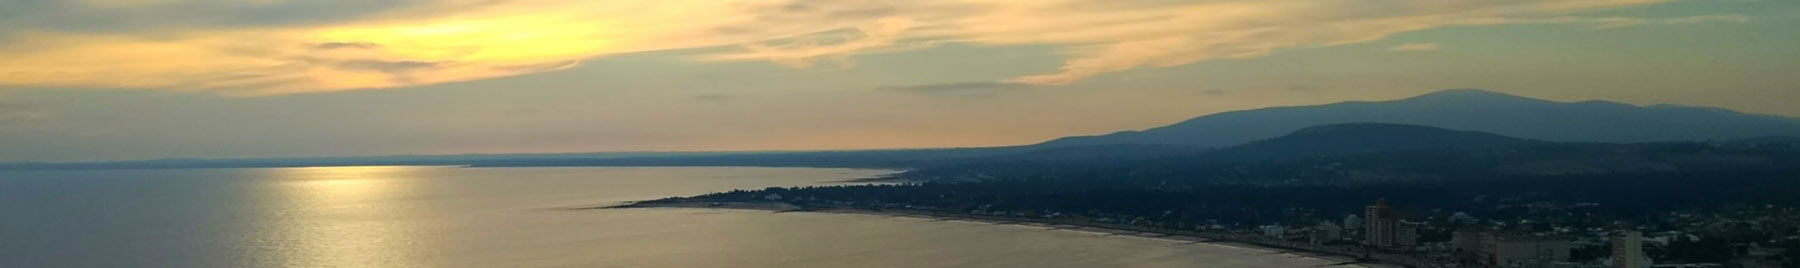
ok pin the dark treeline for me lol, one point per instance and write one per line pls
(1533, 160)
(1609, 197)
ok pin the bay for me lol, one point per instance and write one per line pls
(513, 217)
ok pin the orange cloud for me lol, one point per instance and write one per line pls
(1415, 47)
(402, 43)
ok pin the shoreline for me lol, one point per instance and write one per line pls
(890, 179)
(1337, 259)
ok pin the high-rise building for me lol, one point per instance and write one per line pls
(1406, 234)
(1380, 224)
(1352, 222)
(1628, 250)
(1326, 231)
(1491, 248)
(1467, 244)
(1523, 250)
(1467, 239)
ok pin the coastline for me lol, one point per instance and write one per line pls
(886, 179)
(893, 177)
(1336, 259)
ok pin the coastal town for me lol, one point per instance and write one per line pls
(1382, 235)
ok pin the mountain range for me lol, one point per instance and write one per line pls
(1449, 119)
(1356, 153)
(1357, 138)
(1468, 110)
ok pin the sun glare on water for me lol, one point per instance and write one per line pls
(342, 217)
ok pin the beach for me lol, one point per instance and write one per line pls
(1336, 259)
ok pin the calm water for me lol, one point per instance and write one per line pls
(506, 217)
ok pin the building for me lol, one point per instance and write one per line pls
(1461, 218)
(1628, 250)
(1517, 250)
(1326, 232)
(1380, 224)
(1274, 230)
(1406, 234)
(1486, 248)
(1466, 244)
(1352, 226)
(1759, 256)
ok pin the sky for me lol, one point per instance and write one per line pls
(101, 80)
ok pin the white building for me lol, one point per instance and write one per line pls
(1275, 231)
(1326, 232)
(1517, 250)
(1628, 250)
(1380, 224)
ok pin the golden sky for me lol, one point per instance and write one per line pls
(630, 68)
(165, 45)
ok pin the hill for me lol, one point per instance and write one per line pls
(1356, 138)
(1360, 153)
(1469, 110)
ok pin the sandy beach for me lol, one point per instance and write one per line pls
(1338, 260)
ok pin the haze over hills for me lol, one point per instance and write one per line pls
(1466, 118)
(1379, 152)
(1355, 138)
(1468, 109)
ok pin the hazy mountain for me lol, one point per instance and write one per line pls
(1471, 110)
(1772, 143)
(1356, 138)
(1372, 153)
(1365, 126)
(898, 158)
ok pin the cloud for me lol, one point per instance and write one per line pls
(355, 45)
(803, 51)
(952, 87)
(16, 113)
(1609, 22)
(1254, 30)
(386, 66)
(1215, 92)
(523, 111)
(1304, 89)
(1708, 19)
(120, 16)
(264, 47)
(1415, 47)
(714, 97)
(539, 67)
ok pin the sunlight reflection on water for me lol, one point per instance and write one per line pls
(508, 217)
(342, 217)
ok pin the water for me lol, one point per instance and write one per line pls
(509, 217)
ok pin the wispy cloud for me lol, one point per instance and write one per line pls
(714, 97)
(1415, 47)
(1708, 19)
(958, 86)
(1608, 22)
(804, 51)
(1304, 89)
(262, 47)
(348, 45)
(15, 113)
